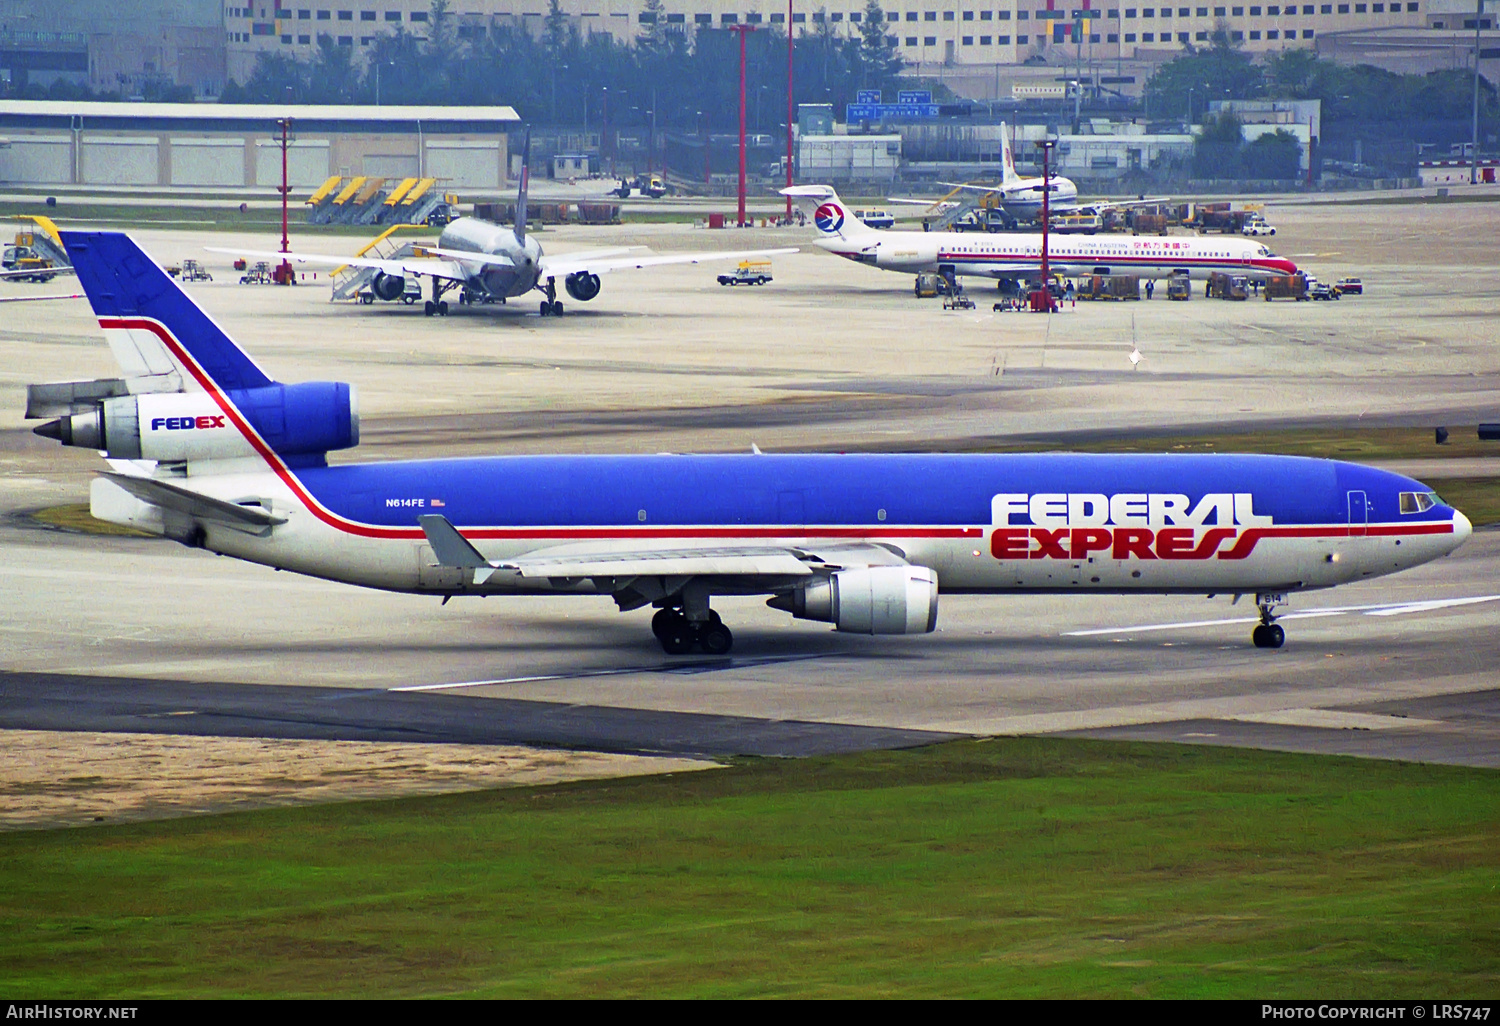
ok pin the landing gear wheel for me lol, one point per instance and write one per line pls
(715, 639)
(664, 621)
(546, 309)
(556, 309)
(442, 308)
(679, 638)
(1268, 635)
(428, 307)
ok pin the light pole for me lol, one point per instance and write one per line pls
(1474, 155)
(789, 111)
(378, 65)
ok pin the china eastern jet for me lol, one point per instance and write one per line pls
(491, 263)
(1019, 256)
(205, 448)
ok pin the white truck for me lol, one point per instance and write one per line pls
(749, 272)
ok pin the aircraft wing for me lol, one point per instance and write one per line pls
(38, 299)
(1144, 201)
(437, 268)
(568, 263)
(997, 187)
(670, 559)
(935, 204)
(39, 271)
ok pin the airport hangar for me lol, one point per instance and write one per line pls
(47, 142)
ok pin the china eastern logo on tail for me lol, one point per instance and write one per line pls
(1127, 525)
(829, 217)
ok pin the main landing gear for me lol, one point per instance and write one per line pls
(679, 635)
(437, 304)
(550, 305)
(1268, 633)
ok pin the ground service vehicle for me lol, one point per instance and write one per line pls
(1077, 224)
(1114, 286)
(876, 218)
(1321, 290)
(646, 185)
(1228, 286)
(1286, 286)
(25, 258)
(1349, 286)
(749, 272)
(931, 284)
(1256, 225)
(1180, 287)
(192, 270)
(1148, 224)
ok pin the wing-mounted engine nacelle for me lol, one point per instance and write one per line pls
(388, 286)
(307, 419)
(582, 285)
(875, 600)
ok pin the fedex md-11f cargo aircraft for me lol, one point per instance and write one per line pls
(1019, 256)
(207, 449)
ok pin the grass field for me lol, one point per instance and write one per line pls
(1013, 867)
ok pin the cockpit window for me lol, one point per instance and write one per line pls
(1418, 502)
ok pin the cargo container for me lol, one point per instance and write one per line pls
(1286, 286)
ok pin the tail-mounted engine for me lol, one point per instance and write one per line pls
(874, 600)
(297, 421)
(582, 286)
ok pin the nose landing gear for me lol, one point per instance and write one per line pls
(679, 635)
(1268, 633)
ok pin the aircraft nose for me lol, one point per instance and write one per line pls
(1461, 529)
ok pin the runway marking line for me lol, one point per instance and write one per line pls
(697, 666)
(1375, 609)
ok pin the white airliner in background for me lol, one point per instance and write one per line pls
(492, 263)
(1020, 197)
(1019, 256)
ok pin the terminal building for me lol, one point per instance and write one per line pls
(204, 43)
(45, 142)
(927, 32)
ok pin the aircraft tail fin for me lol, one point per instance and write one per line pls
(1008, 174)
(525, 184)
(829, 215)
(154, 328)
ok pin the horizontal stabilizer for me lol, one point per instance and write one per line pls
(254, 519)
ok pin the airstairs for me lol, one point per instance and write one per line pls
(349, 280)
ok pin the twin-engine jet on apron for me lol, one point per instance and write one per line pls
(490, 263)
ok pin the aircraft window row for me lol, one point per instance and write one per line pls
(1418, 502)
(1272, 11)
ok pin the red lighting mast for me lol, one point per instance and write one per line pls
(1046, 145)
(284, 274)
(789, 110)
(742, 31)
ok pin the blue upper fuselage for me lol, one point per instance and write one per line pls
(836, 490)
